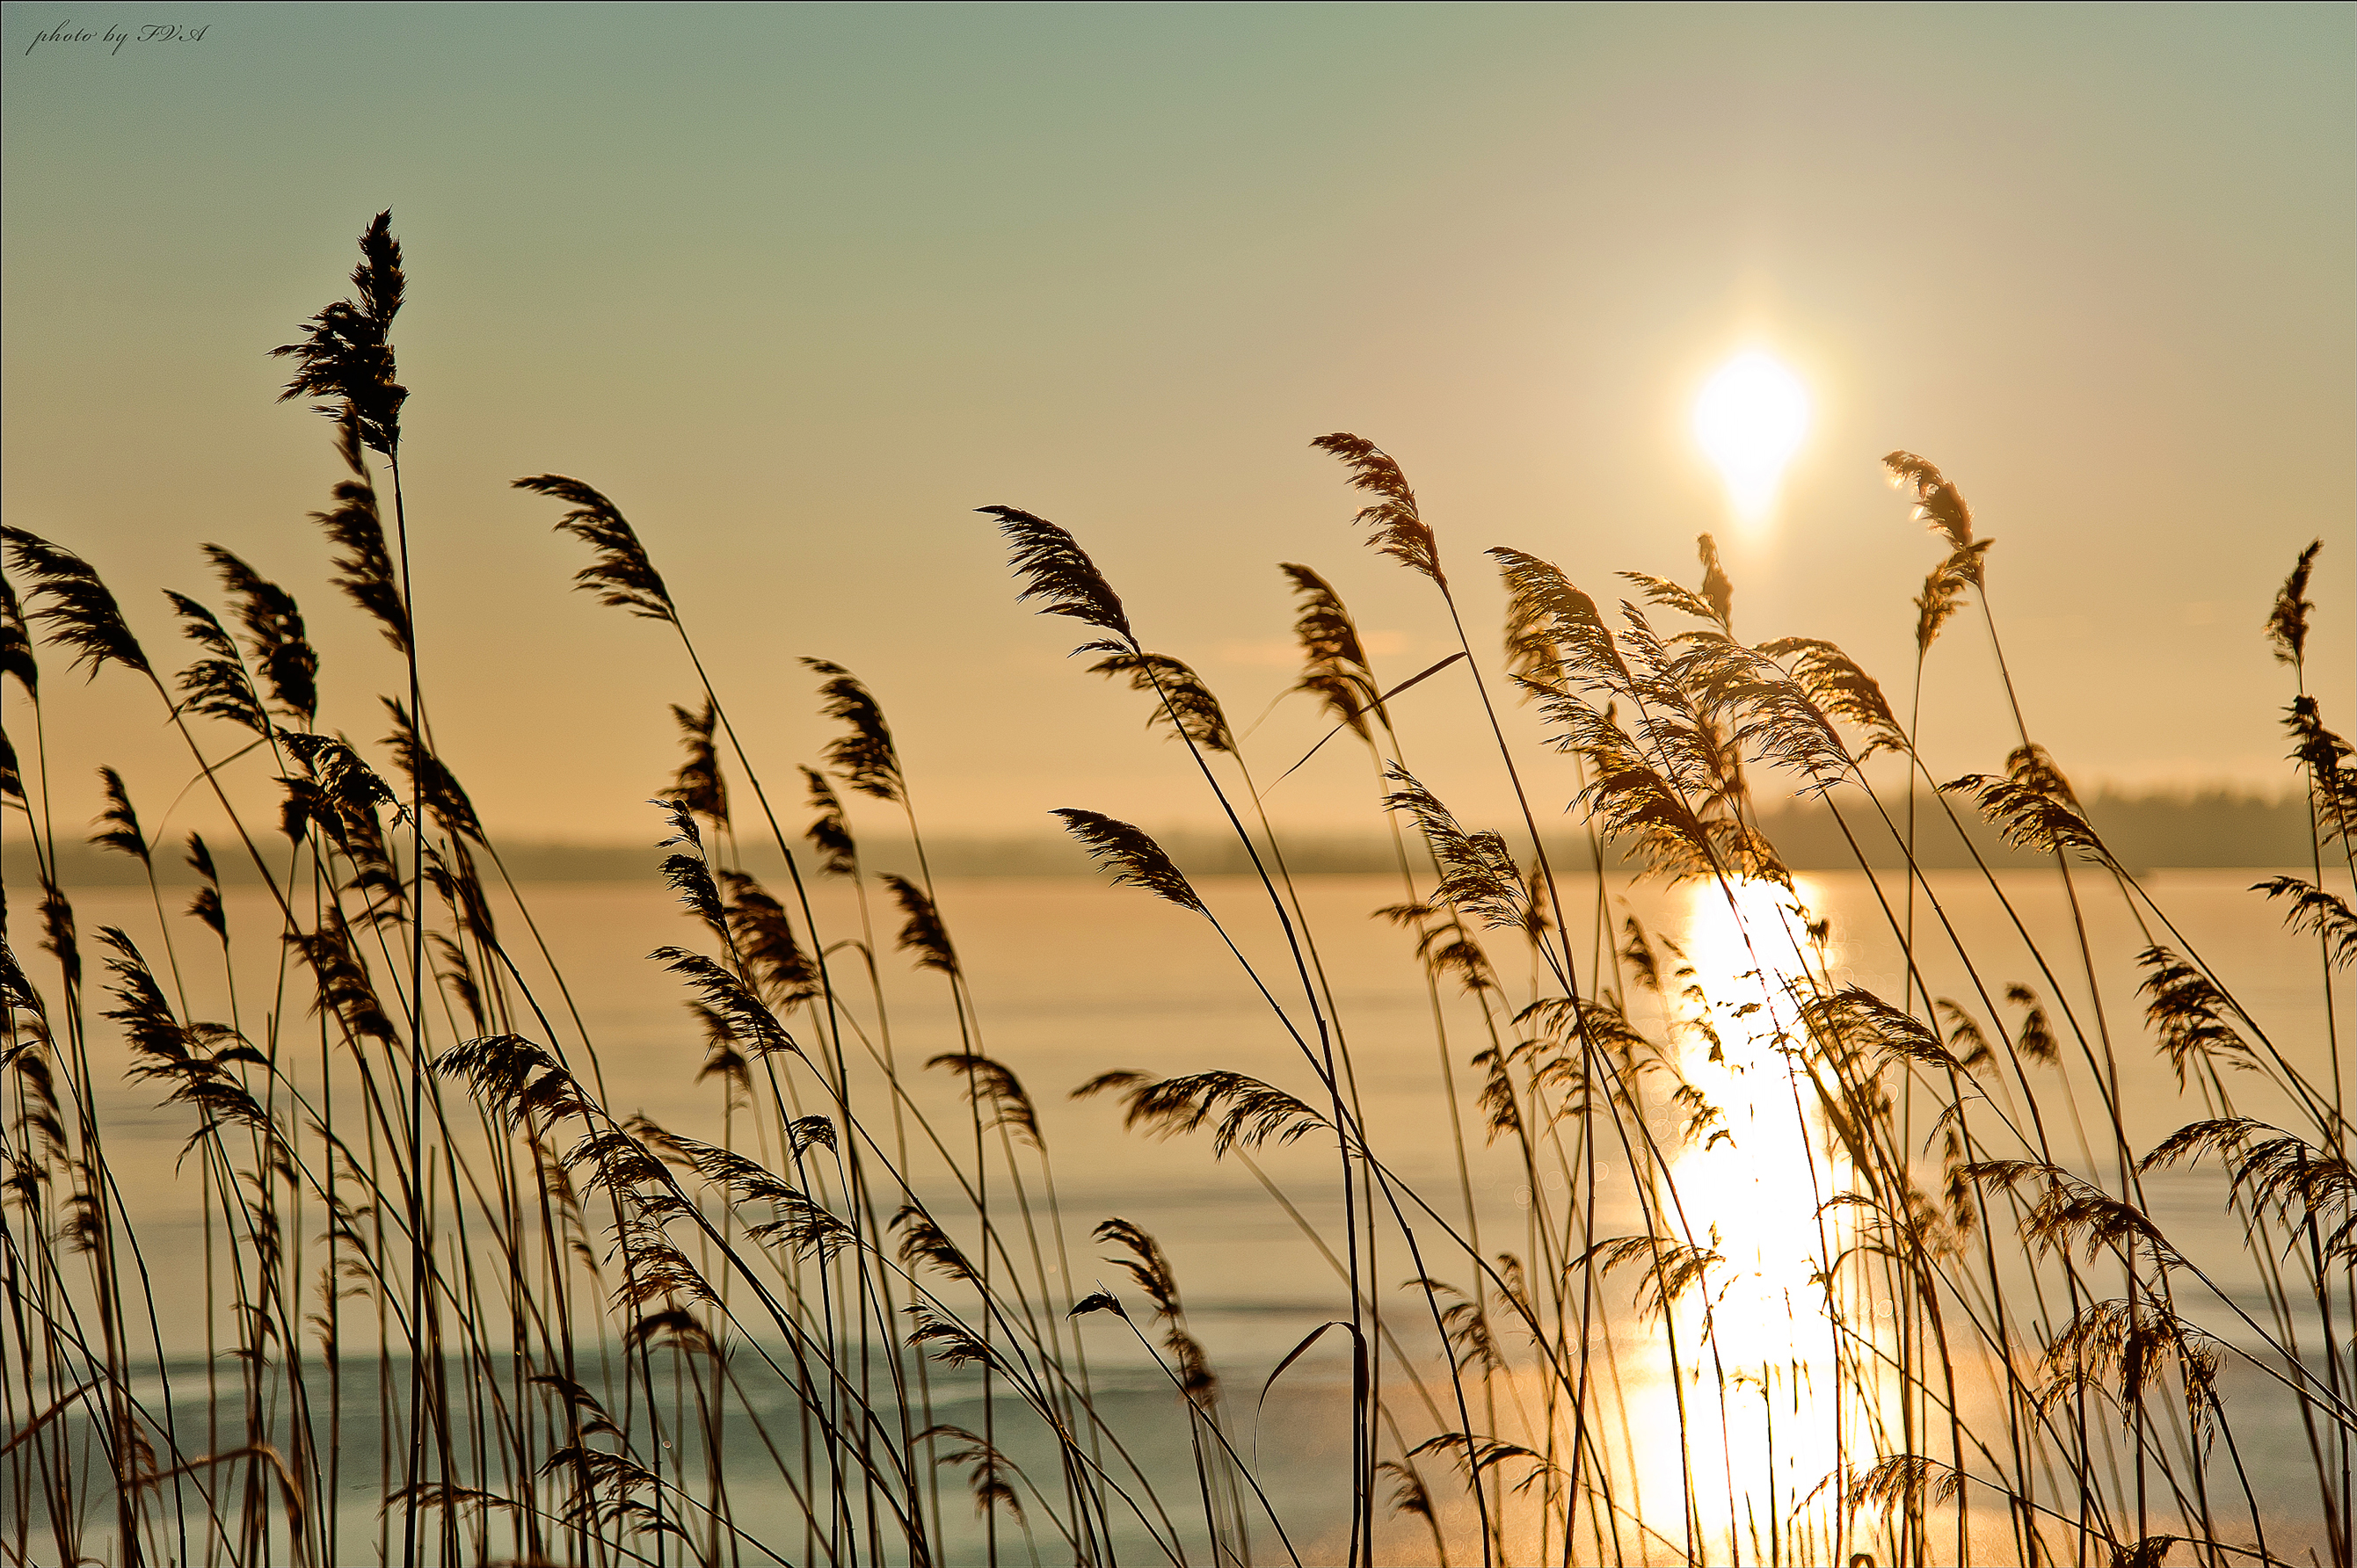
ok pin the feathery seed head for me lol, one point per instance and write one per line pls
(1183, 702)
(923, 934)
(619, 573)
(217, 686)
(2288, 621)
(1397, 529)
(365, 569)
(1718, 588)
(1135, 859)
(81, 612)
(864, 754)
(346, 354)
(698, 784)
(830, 831)
(1056, 570)
(764, 939)
(16, 642)
(439, 788)
(273, 631)
(122, 824)
(1937, 502)
(994, 1084)
(1334, 665)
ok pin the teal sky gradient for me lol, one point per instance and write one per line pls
(800, 288)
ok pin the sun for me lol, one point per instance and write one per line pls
(1750, 418)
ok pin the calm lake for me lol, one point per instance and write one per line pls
(1070, 978)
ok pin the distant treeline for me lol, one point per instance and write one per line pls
(2145, 831)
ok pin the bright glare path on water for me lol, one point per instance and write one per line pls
(1750, 419)
(1759, 1350)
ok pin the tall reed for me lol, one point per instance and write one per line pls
(1787, 1271)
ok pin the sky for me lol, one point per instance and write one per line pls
(800, 288)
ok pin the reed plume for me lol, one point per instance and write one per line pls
(346, 353)
(863, 756)
(1248, 1113)
(1146, 1264)
(830, 832)
(2033, 807)
(1394, 527)
(921, 931)
(2309, 1188)
(698, 785)
(2189, 1012)
(1056, 570)
(365, 570)
(275, 634)
(2327, 914)
(2288, 619)
(16, 659)
(1938, 502)
(120, 821)
(1334, 663)
(432, 783)
(1183, 703)
(991, 1083)
(619, 573)
(1135, 859)
(79, 611)
(1478, 872)
(763, 936)
(216, 686)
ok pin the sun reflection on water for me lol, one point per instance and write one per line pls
(1761, 1427)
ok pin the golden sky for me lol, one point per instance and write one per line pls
(800, 288)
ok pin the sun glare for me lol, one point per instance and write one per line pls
(1750, 418)
(1752, 1186)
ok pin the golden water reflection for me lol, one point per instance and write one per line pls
(1765, 1417)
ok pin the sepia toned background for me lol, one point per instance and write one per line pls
(800, 288)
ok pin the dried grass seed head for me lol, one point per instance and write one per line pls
(364, 570)
(698, 784)
(830, 831)
(82, 613)
(922, 932)
(2287, 620)
(1248, 1111)
(994, 1084)
(1718, 588)
(1334, 663)
(1554, 631)
(1396, 528)
(216, 686)
(16, 642)
(1182, 703)
(863, 754)
(1478, 873)
(346, 353)
(2325, 915)
(1057, 571)
(1134, 858)
(121, 823)
(765, 942)
(1937, 502)
(275, 634)
(618, 573)
(2189, 1015)
(1833, 680)
(445, 801)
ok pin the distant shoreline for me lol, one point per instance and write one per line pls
(2145, 832)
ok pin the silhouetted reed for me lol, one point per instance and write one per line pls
(1795, 1269)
